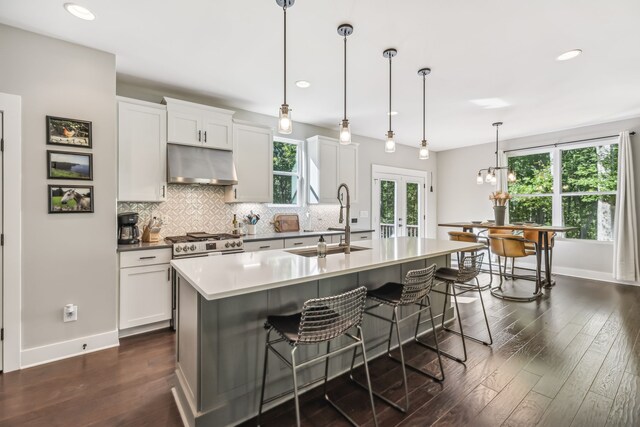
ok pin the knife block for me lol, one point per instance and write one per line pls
(150, 237)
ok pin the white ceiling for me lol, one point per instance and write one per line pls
(477, 49)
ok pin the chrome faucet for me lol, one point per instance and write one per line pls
(347, 228)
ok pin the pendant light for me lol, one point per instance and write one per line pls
(491, 176)
(423, 153)
(345, 30)
(285, 125)
(390, 144)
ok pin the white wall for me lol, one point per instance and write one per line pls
(371, 151)
(460, 198)
(65, 258)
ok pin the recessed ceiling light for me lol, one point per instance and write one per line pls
(79, 11)
(392, 113)
(303, 84)
(490, 103)
(569, 55)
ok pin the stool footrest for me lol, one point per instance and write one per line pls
(444, 353)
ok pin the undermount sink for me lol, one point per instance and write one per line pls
(331, 250)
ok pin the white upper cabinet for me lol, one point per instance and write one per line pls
(330, 164)
(201, 125)
(142, 151)
(253, 157)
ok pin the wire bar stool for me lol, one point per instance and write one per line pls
(466, 236)
(320, 321)
(467, 270)
(414, 291)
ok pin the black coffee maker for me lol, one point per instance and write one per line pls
(128, 231)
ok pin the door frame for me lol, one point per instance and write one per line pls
(391, 170)
(11, 107)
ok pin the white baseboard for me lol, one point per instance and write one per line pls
(600, 276)
(62, 350)
(136, 330)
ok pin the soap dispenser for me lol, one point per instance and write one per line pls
(322, 248)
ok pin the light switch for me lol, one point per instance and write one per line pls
(364, 214)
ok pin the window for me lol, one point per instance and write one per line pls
(286, 172)
(533, 190)
(574, 186)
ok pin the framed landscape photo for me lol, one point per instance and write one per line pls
(64, 165)
(68, 132)
(70, 198)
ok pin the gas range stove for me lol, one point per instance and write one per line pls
(204, 244)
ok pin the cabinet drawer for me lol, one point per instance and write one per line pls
(361, 236)
(146, 257)
(263, 245)
(301, 241)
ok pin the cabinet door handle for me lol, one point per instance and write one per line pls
(235, 193)
(297, 243)
(199, 135)
(163, 191)
(169, 274)
(265, 247)
(205, 136)
(147, 257)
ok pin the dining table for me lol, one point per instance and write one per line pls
(543, 239)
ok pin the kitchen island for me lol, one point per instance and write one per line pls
(223, 303)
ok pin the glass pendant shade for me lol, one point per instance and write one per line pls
(390, 144)
(493, 179)
(345, 132)
(511, 177)
(479, 179)
(423, 154)
(489, 176)
(284, 120)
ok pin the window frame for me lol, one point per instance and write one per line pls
(299, 174)
(556, 172)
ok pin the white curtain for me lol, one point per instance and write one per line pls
(625, 230)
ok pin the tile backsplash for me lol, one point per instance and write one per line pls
(202, 208)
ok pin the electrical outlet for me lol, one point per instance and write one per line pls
(70, 313)
(354, 220)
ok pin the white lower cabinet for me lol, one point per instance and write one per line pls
(145, 294)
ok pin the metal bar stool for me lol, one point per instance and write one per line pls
(467, 270)
(515, 247)
(465, 236)
(414, 290)
(321, 321)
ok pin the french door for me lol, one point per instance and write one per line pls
(398, 205)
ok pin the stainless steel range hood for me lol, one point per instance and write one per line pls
(197, 165)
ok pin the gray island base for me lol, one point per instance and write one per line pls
(223, 303)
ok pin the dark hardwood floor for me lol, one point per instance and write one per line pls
(569, 359)
(125, 386)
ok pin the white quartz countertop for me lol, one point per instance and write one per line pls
(217, 277)
(297, 234)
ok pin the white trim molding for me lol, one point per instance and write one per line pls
(11, 106)
(75, 347)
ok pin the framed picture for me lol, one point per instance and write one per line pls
(68, 132)
(64, 165)
(70, 199)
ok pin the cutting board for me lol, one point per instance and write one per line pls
(286, 222)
